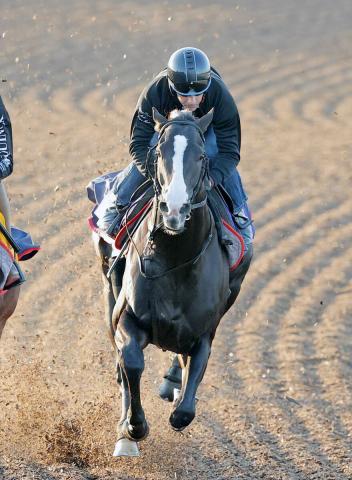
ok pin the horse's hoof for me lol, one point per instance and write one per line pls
(180, 419)
(166, 390)
(126, 448)
(135, 433)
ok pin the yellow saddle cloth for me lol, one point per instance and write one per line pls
(7, 256)
(4, 242)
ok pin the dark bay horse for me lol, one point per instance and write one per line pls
(177, 284)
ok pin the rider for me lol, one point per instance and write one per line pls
(8, 302)
(189, 83)
(15, 244)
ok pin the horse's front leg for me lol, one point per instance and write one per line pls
(124, 446)
(125, 394)
(185, 409)
(131, 341)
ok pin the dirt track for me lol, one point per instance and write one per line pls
(277, 396)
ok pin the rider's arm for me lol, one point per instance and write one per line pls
(142, 128)
(227, 129)
(6, 158)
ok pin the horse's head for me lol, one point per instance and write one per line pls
(180, 164)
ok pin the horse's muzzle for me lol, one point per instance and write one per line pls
(175, 219)
(174, 223)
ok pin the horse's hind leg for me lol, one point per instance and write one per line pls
(172, 380)
(185, 409)
(130, 341)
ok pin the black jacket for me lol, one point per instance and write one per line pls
(226, 122)
(6, 157)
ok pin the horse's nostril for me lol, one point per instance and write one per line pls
(186, 209)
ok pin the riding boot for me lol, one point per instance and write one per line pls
(172, 380)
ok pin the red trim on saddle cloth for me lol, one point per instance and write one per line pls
(233, 231)
(21, 254)
(27, 252)
(122, 232)
(92, 226)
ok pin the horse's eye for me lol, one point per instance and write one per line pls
(161, 179)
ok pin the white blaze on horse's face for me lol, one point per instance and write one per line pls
(175, 194)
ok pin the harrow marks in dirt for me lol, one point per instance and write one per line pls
(276, 400)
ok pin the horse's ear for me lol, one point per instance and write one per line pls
(204, 122)
(158, 119)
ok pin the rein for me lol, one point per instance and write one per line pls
(192, 261)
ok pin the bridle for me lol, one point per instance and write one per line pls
(152, 170)
(151, 166)
(153, 157)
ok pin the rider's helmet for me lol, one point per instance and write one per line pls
(188, 71)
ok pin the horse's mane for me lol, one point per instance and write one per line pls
(181, 115)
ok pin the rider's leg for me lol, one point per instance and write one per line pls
(125, 185)
(119, 197)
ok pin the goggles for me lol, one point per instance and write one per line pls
(192, 89)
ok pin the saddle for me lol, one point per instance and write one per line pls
(227, 225)
(219, 202)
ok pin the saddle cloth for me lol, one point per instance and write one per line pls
(228, 232)
(7, 255)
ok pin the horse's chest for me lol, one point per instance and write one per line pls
(191, 294)
(172, 302)
(158, 300)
